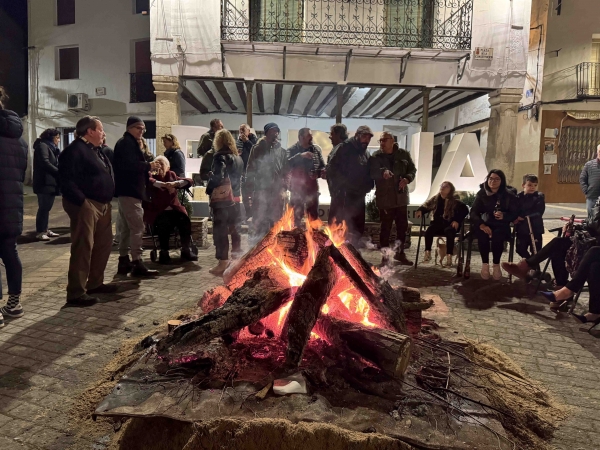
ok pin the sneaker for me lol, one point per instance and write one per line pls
(427, 256)
(14, 312)
(188, 255)
(1, 321)
(140, 270)
(52, 234)
(497, 272)
(42, 237)
(84, 300)
(402, 259)
(104, 289)
(485, 271)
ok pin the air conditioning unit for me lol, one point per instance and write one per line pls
(78, 102)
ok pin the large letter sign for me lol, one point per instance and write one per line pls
(422, 154)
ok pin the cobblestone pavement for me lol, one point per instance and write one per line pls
(53, 353)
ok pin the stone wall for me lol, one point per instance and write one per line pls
(200, 232)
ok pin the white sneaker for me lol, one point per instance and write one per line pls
(51, 234)
(485, 271)
(497, 272)
(43, 237)
(1, 321)
(427, 256)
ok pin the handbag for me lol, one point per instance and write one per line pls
(222, 195)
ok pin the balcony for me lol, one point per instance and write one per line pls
(588, 80)
(141, 88)
(426, 24)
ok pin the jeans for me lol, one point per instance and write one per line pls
(12, 264)
(589, 269)
(388, 217)
(227, 221)
(304, 202)
(500, 234)
(45, 203)
(440, 228)
(589, 204)
(165, 224)
(132, 227)
(556, 250)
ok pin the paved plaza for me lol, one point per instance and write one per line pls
(52, 354)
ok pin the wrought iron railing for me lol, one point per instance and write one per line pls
(141, 88)
(588, 80)
(437, 24)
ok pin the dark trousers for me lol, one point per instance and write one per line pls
(45, 203)
(352, 210)
(588, 270)
(440, 228)
(304, 202)
(556, 250)
(500, 234)
(165, 224)
(334, 209)
(524, 246)
(227, 221)
(12, 264)
(246, 202)
(388, 217)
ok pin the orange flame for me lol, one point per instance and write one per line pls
(336, 233)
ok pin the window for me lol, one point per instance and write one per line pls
(65, 12)
(150, 135)
(67, 136)
(577, 145)
(142, 6)
(68, 63)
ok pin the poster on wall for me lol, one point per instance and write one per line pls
(547, 169)
(549, 145)
(550, 158)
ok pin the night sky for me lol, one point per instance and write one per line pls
(13, 53)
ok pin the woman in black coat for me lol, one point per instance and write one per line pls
(45, 179)
(13, 154)
(174, 154)
(495, 207)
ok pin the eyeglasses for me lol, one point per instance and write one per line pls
(495, 179)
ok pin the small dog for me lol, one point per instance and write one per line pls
(441, 252)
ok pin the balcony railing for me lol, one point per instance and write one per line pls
(435, 24)
(141, 88)
(588, 80)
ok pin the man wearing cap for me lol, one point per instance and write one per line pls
(132, 174)
(348, 174)
(266, 180)
(338, 134)
(393, 169)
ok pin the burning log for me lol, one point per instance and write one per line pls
(389, 350)
(260, 296)
(307, 305)
(294, 246)
(214, 298)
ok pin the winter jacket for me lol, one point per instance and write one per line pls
(110, 154)
(330, 180)
(454, 209)
(163, 199)
(206, 143)
(226, 163)
(589, 180)
(482, 211)
(85, 172)
(176, 160)
(206, 165)
(13, 157)
(244, 148)
(399, 162)
(132, 171)
(45, 167)
(348, 169)
(532, 205)
(304, 173)
(266, 169)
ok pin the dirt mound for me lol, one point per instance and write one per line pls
(534, 413)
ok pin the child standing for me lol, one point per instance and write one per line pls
(532, 204)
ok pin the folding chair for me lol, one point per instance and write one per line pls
(539, 283)
(423, 228)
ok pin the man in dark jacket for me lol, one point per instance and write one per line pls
(266, 180)
(245, 142)
(86, 180)
(132, 175)
(13, 154)
(338, 134)
(206, 165)
(393, 169)
(348, 173)
(305, 167)
(533, 205)
(45, 179)
(206, 140)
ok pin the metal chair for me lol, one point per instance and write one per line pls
(423, 228)
(539, 283)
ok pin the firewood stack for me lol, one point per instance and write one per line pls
(260, 287)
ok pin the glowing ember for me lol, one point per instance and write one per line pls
(283, 312)
(314, 335)
(336, 233)
(325, 309)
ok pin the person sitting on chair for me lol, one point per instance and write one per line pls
(495, 207)
(448, 215)
(164, 212)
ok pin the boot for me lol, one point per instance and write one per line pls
(188, 255)
(219, 269)
(427, 256)
(124, 266)
(164, 257)
(140, 270)
(402, 259)
(517, 270)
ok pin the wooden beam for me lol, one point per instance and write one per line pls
(260, 97)
(348, 93)
(278, 96)
(326, 101)
(362, 102)
(376, 101)
(293, 98)
(425, 121)
(393, 103)
(456, 103)
(312, 100)
(242, 91)
(249, 102)
(189, 97)
(338, 105)
(405, 105)
(223, 91)
(432, 102)
(209, 94)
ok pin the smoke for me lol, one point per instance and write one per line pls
(387, 270)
